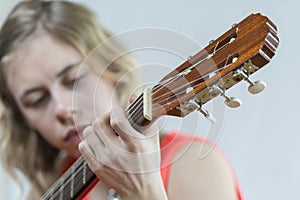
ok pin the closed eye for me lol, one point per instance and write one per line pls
(70, 82)
(35, 99)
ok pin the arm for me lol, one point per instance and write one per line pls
(209, 178)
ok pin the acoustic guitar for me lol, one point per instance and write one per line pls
(241, 51)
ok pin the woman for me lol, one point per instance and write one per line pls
(42, 46)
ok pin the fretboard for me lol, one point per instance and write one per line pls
(79, 177)
(73, 183)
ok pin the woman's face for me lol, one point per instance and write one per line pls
(41, 75)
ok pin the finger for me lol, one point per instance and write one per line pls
(91, 136)
(95, 143)
(85, 150)
(106, 174)
(104, 131)
(89, 155)
(121, 125)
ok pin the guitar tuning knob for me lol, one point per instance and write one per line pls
(233, 102)
(205, 113)
(208, 115)
(256, 87)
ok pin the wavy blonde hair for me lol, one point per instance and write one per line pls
(22, 148)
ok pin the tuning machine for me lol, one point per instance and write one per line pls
(254, 87)
(231, 102)
(194, 104)
(205, 113)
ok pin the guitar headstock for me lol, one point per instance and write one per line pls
(229, 59)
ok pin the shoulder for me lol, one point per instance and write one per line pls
(198, 168)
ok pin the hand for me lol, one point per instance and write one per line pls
(123, 158)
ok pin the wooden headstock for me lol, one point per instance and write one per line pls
(231, 58)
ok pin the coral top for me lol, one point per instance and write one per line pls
(170, 145)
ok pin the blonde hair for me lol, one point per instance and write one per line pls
(22, 148)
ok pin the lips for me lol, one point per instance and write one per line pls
(74, 134)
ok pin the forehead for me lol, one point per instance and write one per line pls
(38, 60)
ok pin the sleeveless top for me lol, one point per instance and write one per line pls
(170, 144)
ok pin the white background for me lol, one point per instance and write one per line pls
(261, 139)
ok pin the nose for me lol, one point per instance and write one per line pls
(64, 115)
(63, 108)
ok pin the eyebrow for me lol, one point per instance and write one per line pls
(59, 74)
(66, 69)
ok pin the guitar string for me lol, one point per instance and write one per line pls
(68, 174)
(67, 177)
(190, 83)
(53, 192)
(134, 110)
(215, 50)
(140, 99)
(79, 166)
(183, 92)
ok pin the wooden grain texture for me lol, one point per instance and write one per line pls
(255, 40)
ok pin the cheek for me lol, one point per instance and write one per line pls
(83, 99)
(44, 125)
(103, 101)
(94, 99)
(50, 136)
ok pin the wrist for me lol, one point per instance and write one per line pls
(152, 189)
(157, 191)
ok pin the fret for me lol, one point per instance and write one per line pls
(255, 41)
(51, 196)
(61, 190)
(72, 182)
(84, 173)
(77, 179)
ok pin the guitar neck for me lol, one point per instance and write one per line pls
(74, 184)
(79, 179)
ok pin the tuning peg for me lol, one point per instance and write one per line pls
(231, 102)
(205, 113)
(208, 115)
(254, 87)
